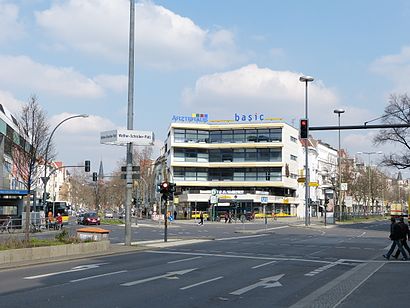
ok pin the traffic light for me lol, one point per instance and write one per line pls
(87, 166)
(164, 189)
(304, 128)
(94, 176)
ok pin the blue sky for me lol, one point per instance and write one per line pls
(215, 57)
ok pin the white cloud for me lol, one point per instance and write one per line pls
(163, 39)
(89, 125)
(10, 102)
(22, 72)
(395, 67)
(254, 89)
(10, 27)
(116, 83)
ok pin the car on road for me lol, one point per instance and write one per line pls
(91, 218)
(108, 214)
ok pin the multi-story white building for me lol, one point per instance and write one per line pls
(249, 163)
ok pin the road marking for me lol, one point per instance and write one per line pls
(268, 282)
(322, 268)
(170, 274)
(74, 269)
(182, 260)
(361, 235)
(200, 283)
(278, 258)
(263, 264)
(97, 276)
(240, 237)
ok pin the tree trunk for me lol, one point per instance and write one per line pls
(27, 220)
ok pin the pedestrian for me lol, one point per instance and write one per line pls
(405, 232)
(395, 236)
(59, 221)
(201, 218)
(175, 215)
(185, 214)
(226, 217)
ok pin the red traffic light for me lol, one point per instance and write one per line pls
(304, 128)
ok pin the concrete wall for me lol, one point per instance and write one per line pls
(48, 252)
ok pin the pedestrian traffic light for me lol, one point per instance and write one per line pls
(87, 166)
(94, 176)
(304, 128)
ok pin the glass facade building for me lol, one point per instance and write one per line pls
(250, 167)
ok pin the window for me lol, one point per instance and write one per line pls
(239, 136)
(275, 134)
(179, 135)
(238, 155)
(191, 136)
(226, 155)
(263, 135)
(203, 156)
(263, 155)
(227, 136)
(293, 157)
(276, 155)
(203, 136)
(293, 139)
(215, 136)
(251, 135)
(250, 155)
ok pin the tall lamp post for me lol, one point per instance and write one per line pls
(370, 180)
(46, 178)
(339, 159)
(306, 80)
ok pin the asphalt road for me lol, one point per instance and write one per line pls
(290, 266)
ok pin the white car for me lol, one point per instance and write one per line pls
(108, 214)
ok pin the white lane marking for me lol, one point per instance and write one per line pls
(182, 260)
(74, 269)
(361, 235)
(323, 268)
(200, 283)
(182, 272)
(263, 264)
(97, 276)
(279, 258)
(268, 282)
(240, 237)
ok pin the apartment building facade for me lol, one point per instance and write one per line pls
(248, 164)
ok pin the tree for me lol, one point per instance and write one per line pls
(397, 112)
(27, 154)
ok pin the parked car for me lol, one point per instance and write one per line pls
(91, 218)
(108, 214)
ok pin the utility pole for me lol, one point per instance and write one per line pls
(130, 125)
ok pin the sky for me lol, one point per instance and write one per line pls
(214, 57)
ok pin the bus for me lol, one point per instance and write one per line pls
(58, 207)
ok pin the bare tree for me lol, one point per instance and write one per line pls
(28, 153)
(397, 112)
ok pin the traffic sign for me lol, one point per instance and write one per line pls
(214, 192)
(313, 184)
(301, 180)
(264, 200)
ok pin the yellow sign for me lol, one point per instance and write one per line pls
(285, 200)
(313, 184)
(301, 180)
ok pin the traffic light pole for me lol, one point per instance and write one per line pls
(165, 220)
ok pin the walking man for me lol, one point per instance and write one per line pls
(405, 232)
(201, 218)
(395, 236)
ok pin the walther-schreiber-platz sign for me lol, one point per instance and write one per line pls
(123, 136)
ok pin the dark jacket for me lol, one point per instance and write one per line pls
(404, 230)
(395, 232)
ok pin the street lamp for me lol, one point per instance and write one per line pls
(370, 181)
(306, 80)
(45, 178)
(339, 112)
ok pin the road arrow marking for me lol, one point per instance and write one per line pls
(167, 275)
(74, 269)
(268, 282)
